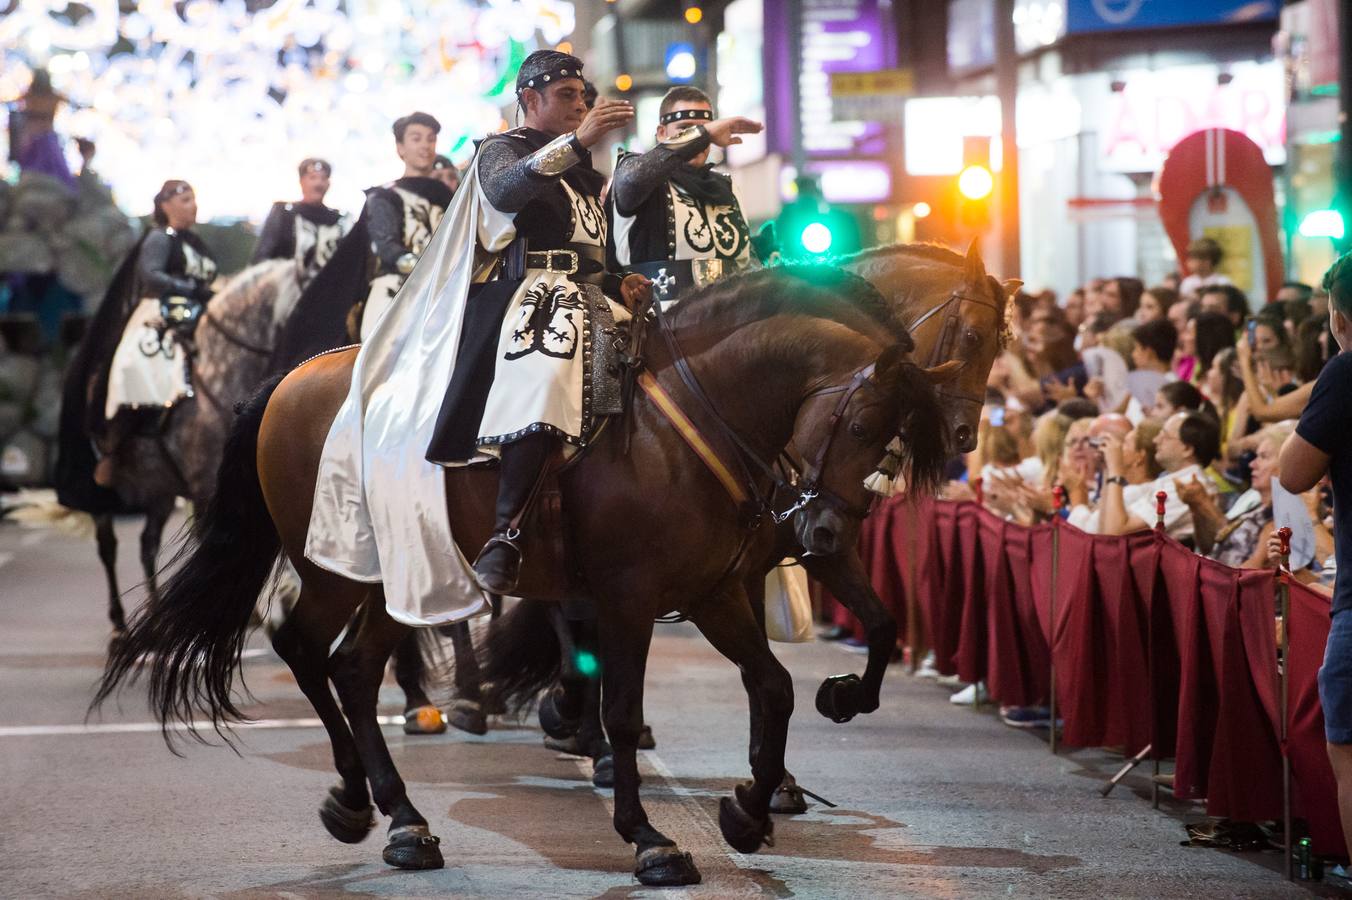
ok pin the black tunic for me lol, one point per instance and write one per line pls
(544, 216)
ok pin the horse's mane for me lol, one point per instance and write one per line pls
(820, 291)
(935, 252)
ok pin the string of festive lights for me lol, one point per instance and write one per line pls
(231, 94)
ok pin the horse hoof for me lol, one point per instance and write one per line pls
(665, 867)
(467, 716)
(646, 741)
(742, 832)
(553, 721)
(424, 720)
(603, 772)
(840, 697)
(413, 847)
(351, 826)
(788, 800)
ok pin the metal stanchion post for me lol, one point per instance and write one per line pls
(1284, 611)
(1058, 503)
(913, 588)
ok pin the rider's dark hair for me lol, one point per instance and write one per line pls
(417, 118)
(171, 188)
(682, 93)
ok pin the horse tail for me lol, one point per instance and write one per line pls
(925, 440)
(520, 654)
(188, 639)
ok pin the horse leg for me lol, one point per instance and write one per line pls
(788, 798)
(626, 632)
(561, 707)
(302, 641)
(841, 697)
(731, 627)
(107, 540)
(591, 738)
(151, 534)
(467, 710)
(420, 715)
(357, 668)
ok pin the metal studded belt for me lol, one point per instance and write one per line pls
(580, 262)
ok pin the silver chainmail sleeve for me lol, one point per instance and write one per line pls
(637, 176)
(511, 180)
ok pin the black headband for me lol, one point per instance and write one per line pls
(681, 115)
(540, 80)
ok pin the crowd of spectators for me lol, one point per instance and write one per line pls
(1124, 391)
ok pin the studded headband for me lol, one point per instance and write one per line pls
(544, 79)
(683, 115)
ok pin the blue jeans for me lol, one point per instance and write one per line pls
(1335, 680)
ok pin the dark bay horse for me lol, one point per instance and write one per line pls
(955, 314)
(803, 336)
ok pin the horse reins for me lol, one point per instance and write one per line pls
(747, 491)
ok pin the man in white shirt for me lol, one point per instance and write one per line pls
(1185, 446)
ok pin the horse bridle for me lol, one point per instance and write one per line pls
(942, 351)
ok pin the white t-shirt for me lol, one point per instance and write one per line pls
(1191, 286)
(1177, 516)
(1086, 518)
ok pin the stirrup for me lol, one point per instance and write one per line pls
(507, 538)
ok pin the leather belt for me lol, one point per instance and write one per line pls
(580, 262)
(673, 277)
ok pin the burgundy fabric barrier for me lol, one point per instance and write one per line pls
(1315, 792)
(1153, 645)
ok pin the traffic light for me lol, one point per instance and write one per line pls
(1327, 223)
(976, 185)
(810, 229)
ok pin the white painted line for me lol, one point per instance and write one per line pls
(151, 727)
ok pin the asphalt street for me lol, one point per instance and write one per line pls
(933, 800)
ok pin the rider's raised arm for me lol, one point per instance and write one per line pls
(511, 177)
(638, 175)
(152, 267)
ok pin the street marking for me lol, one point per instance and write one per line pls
(151, 727)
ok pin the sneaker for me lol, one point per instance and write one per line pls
(1026, 716)
(970, 695)
(950, 681)
(836, 633)
(855, 645)
(926, 668)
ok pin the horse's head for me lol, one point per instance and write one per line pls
(954, 312)
(845, 433)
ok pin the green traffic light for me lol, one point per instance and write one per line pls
(1325, 223)
(816, 238)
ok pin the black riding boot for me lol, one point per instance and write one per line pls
(499, 563)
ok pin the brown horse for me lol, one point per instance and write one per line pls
(802, 336)
(955, 314)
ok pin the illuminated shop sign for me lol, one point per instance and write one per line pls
(1154, 110)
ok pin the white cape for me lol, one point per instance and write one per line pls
(379, 511)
